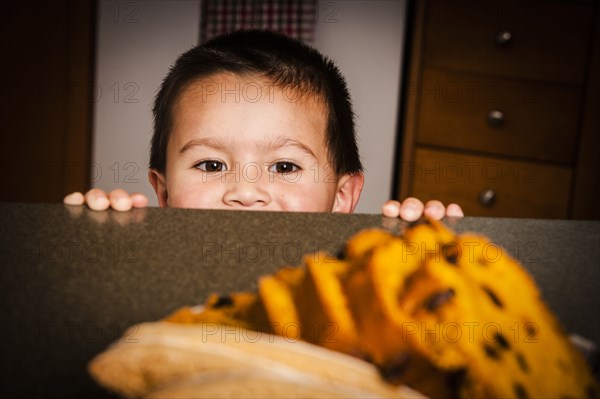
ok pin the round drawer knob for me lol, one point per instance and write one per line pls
(504, 38)
(495, 118)
(487, 197)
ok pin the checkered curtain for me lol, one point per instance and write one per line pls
(295, 18)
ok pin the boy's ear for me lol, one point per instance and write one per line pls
(348, 192)
(159, 182)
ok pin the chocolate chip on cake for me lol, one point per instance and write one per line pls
(451, 252)
(491, 352)
(500, 340)
(438, 299)
(341, 253)
(520, 391)
(394, 368)
(522, 362)
(223, 301)
(455, 380)
(493, 297)
(531, 329)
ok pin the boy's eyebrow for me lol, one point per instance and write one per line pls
(274, 145)
(287, 142)
(205, 142)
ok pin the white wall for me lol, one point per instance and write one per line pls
(138, 41)
(365, 39)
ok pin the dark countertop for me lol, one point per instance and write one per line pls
(72, 279)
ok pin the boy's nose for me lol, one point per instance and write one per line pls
(246, 193)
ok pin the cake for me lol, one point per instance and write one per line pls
(448, 315)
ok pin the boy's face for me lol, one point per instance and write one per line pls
(242, 143)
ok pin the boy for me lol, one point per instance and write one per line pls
(255, 121)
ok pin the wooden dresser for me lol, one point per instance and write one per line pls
(500, 107)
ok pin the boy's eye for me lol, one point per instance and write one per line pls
(284, 167)
(211, 166)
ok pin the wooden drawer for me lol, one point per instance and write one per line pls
(539, 120)
(549, 39)
(522, 189)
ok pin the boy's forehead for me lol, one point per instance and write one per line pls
(226, 100)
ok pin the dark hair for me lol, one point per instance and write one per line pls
(286, 62)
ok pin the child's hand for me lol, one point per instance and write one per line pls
(412, 209)
(98, 200)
